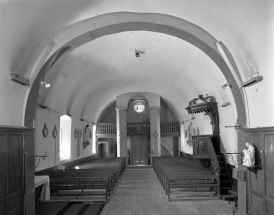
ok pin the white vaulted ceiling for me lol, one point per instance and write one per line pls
(90, 77)
(95, 73)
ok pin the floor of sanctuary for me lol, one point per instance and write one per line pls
(140, 192)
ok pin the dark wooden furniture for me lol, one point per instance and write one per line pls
(177, 172)
(235, 210)
(96, 177)
(260, 180)
(192, 181)
(67, 208)
(11, 170)
(77, 187)
(235, 194)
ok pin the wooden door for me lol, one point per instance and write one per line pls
(256, 190)
(175, 147)
(261, 181)
(269, 173)
(139, 150)
(11, 173)
(2, 173)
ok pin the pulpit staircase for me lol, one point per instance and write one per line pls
(206, 150)
(225, 177)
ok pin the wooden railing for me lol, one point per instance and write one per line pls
(170, 128)
(214, 163)
(167, 128)
(106, 128)
(138, 128)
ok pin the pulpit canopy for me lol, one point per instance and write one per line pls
(202, 104)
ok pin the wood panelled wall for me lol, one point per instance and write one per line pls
(11, 170)
(260, 181)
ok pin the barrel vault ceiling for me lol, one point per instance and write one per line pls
(90, 77)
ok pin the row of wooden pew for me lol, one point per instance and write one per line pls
(92, 181)
(178, 172)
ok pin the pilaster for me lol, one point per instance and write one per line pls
(121, 120)
(155, 132)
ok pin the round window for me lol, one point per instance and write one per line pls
(139, 106)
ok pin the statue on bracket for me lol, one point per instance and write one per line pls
(249, 155)
(87, 135)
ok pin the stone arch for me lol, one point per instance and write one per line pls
(85, 31)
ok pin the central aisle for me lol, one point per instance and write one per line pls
(139, 192)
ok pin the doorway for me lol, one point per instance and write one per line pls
(103, 150)
(139, 150)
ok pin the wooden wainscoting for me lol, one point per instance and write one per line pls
(261, 179)
(11, 170)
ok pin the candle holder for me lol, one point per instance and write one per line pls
(43, 157)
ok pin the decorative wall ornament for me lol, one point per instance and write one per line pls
(87, 135)
(75, 133)
(239, 158)
(80, 133)
(202, 148)
(45, 130)
(197, 131)
(54, 132)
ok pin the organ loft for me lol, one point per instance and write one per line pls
(136, 107)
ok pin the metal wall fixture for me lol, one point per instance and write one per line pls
(155, 134)
(19, 79)
(138, 53)
(43, 157)
(252, 80)
(227, 85)
(45, 130)
(47, 85)
(121, 135)
(225, 104)
(255, 78)
(54, 132)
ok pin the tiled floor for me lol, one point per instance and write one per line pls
(140, 192)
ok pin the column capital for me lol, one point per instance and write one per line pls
(120, 108)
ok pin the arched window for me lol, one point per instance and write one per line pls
(65, 138)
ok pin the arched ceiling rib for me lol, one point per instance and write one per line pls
(94, 74)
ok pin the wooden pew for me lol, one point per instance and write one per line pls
(87, 173)
(79, 186)
(182, 173)
(192, 181)
(99, 174)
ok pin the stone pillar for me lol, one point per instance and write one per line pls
(155, 132)
(121, 120)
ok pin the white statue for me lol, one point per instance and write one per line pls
(249, 155)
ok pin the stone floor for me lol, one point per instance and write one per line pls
(140, 192)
